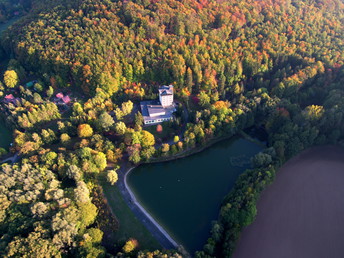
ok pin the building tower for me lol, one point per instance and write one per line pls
(166, 95)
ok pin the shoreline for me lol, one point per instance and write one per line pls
(189, 152)
(195, 150)
(122, 181)
(157, 231)
(140, 212)
(148, 215)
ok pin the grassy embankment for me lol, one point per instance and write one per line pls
(129, 225)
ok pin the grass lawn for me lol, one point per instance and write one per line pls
(129, 225)
(167, 131)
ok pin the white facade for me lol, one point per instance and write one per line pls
(156, 121)
(166, 95)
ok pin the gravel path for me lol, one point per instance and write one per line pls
(12, 159)
(301, 213)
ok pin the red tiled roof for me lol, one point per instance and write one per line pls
(59, 95)
(66, 99)
(9, 97)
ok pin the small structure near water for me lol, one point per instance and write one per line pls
(157, 111)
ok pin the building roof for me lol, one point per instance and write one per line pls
(9, 97)
(152, 110)
(155, 110)
(166, 90)
(30, 84)
(59, 95)
(66, 99)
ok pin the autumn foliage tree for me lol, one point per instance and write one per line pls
(159, 128)
(112, 176)
(84, 131)
(147, 139)
(11, 78)
(130, 245)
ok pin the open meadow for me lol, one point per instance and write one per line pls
(301, 213)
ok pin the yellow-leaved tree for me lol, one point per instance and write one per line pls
(130, 245)
(11, 78)
(85, 130)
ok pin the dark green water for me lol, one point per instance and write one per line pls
(185, 195)
(5, 136)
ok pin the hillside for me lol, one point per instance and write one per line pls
(211, 46)
(235, 65)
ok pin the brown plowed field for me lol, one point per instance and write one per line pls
(302, 213)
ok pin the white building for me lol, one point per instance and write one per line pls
(154, 112)
(166, 95)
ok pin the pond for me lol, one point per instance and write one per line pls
(5, 135)
(185, 195)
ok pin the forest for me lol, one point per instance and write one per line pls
(270, 64)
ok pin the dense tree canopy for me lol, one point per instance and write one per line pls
(276, 65)
(208, 47)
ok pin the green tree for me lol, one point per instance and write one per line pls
(120, 128)
(138, 119)
(50, 91)
(189, 79)
(237, 89)
(127, 107)
(3, 151)
(105, 121)
(109, 83)
(88, 214)
(100, 161)
(37, 98)
(96, 235)
(313, 112)
(135, 157)
(204, 99)
(49, 158)
(147, 153)
(65, 139)
(38, 87)
(119, 114)
(261, 160)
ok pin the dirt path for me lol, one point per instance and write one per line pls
(10, 157)
(301, 213)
